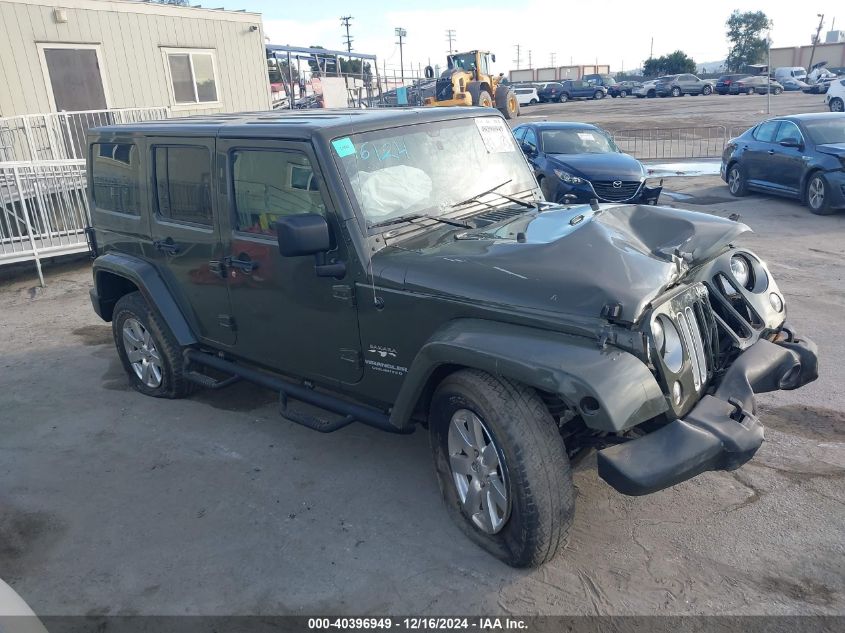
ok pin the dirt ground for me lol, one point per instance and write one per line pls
(115, 503)
(732, 111)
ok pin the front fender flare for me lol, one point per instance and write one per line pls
(152, 287)
(572, 367)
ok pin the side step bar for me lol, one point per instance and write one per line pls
(349, 412)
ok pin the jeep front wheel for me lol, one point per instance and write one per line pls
(148, 350)
(502, 467)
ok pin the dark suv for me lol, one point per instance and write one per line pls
(334, 257)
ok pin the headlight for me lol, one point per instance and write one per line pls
(567, 177)
(741, 270)
(667, 340)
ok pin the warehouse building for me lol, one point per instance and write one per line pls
(72, 55)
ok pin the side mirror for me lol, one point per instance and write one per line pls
(528, 149)
(429, 72)
(308, 234)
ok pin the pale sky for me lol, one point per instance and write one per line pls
(614, 32)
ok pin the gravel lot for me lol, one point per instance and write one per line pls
(114, 503)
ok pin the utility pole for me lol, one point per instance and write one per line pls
(530, 64)
(552, 59)
(815, 41)
(651, 50)
(518, 60)
(400, 33)
(769, 70)
(450, 36)
(345, 21)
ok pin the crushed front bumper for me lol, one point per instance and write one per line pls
(721, 432)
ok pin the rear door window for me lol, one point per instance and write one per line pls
(765, 132)
(183, 184)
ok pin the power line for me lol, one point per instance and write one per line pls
(450, 36)
(345, 21)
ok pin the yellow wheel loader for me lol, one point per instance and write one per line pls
(467, 81)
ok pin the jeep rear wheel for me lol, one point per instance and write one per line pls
(148, 350)
(502, 467)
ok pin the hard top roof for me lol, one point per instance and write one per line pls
(297, 124)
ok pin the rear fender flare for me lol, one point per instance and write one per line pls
(574, 368)
(149, 283)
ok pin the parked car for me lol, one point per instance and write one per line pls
(623, 88)
(757, 84)
(800, 156)
(793, 72)
(577, 162)
(818, 88)
(724, 83)
(648, 88)
(550, 92)
(790, 85)
(835, 97)
(684, 84)
(526, 96)
(580, 89)
(338, 261)
(599, 80)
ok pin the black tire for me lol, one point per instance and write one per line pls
(598, 94)
(836, 105)
(777, 91)
(651, 94)
(818, 206)
(506, 102)
(623, 93)
(485, 100)
(740, 188)
(172, 384)
(707, 91)
(563, 98)
(533, 460)
(532, 102)
(750, 91)
(676, 92)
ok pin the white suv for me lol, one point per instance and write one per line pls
(526, 96)
(835, 97)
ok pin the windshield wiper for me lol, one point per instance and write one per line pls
(476, 197)
(420, 216)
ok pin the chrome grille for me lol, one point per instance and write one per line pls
(608, 189)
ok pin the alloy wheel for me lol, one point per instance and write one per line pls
(142, 353)
(477, 472)
(734, 180)
(815, 193)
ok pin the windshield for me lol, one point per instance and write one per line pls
(577, 141)
(429, 167)
(825, 132)
(465, 61)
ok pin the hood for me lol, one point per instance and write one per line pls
(569, 260)
(834, 149)
(611, 166)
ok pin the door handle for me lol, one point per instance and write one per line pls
(245, 265)
(770, 152)
(166, 246)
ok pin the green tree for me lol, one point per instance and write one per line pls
(671, 64)
(748, 46)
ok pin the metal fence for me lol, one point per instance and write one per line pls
(682, 142)
(43, 210)
(61, 135)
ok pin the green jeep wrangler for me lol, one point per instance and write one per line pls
(400, 268)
